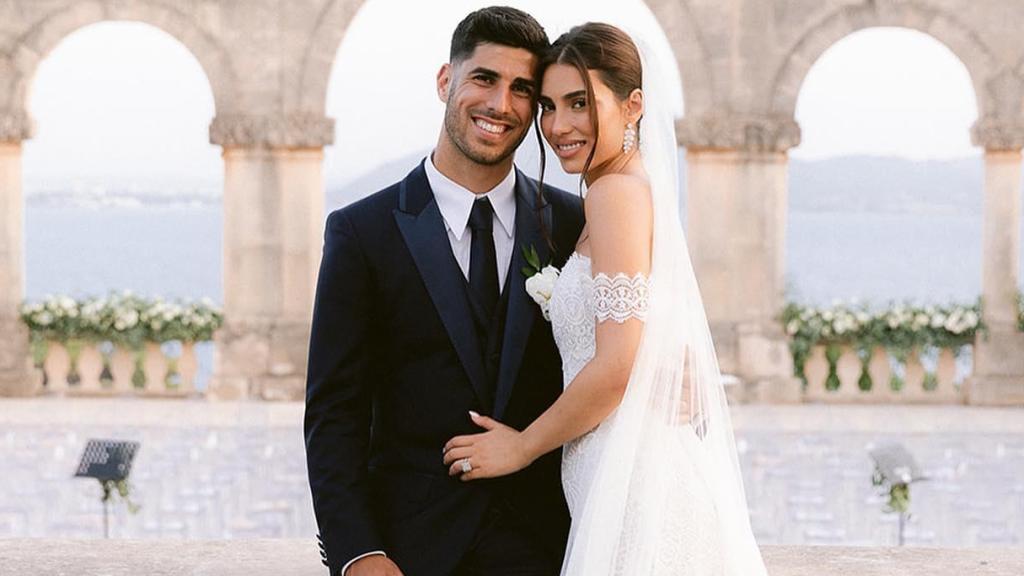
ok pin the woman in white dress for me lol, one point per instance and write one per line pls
(649, 463)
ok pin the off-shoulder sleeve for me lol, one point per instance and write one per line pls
(621, 297)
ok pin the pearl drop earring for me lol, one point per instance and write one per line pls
(629, 139)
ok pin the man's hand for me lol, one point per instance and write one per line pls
(376, 565)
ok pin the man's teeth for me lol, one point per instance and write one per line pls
(492, 128)
(567, 147)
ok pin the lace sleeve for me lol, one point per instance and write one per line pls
(620, 298)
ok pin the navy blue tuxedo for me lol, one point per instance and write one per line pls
(397, 360)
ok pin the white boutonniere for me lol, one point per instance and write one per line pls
(540, 281)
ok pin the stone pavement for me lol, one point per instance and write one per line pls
(284, 557)
(215, 471)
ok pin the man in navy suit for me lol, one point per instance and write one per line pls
(422, 316)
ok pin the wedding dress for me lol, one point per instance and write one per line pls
(655, 489)
(577, 301)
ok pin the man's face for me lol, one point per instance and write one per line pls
(489, 101)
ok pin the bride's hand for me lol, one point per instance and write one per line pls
(497, 452)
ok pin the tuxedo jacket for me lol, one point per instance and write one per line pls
(397, 361)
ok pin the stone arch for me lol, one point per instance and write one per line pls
(318, 60)
(964, 41)
(680, 27)
(31, 47)
(674, 16)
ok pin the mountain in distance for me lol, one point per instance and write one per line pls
(849, 184)
(887, 185)
(841, 184)
(341, 193)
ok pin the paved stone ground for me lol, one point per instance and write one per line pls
(299, 558)
(237, 470)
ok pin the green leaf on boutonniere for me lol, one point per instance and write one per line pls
(532, 257)
(533, 262)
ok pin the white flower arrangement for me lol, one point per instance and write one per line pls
(540, 286)
(540, 280)
(122, 318)
(900, 328)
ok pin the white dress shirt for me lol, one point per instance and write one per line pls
(455, 203)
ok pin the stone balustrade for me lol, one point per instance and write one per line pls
(846, 376)
(841, 376)
(300, 558)
(106, 369)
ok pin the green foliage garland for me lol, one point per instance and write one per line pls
(123, 319)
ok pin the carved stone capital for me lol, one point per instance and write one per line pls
(998, 134)
(733, 131)
(301, 130)
(15, 126)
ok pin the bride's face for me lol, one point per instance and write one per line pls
(565, 117)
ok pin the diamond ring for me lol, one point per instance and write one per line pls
(465, 465)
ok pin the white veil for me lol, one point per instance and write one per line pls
(675, 383)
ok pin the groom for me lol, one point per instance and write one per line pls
(421, 316)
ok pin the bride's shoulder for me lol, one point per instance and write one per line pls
(618, 194)
(619, 181)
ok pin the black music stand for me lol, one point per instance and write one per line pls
(109, 462)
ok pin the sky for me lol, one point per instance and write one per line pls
(125, 106)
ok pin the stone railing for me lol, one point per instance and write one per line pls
(105, 369)
(300, 558)
(840, 374)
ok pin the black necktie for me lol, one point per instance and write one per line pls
(483, 263)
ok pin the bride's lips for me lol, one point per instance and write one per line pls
(491, 129)
(569, 148)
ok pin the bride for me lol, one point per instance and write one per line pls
(649, 463)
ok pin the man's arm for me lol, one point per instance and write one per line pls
(340, 376)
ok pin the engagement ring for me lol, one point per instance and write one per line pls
(466, 466)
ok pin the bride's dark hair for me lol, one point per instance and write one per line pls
(604, 49)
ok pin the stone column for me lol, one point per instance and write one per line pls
(736, 223)
(17, 378)
(998, 377)
(273, 236)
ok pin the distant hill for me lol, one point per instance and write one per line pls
(890, 185)
(844, 184)
(342, 193)
(862, 184)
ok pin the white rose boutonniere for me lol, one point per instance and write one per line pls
(540, 281)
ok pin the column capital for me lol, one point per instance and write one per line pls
(15, 126)
(298, 130)
(749, 132)
(998, 134)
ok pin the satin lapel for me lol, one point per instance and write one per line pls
(423, 230)
(521, 308)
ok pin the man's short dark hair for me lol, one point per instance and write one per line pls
(497, 25)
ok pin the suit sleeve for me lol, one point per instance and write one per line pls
(340, 377)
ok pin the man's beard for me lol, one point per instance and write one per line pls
(457, 135)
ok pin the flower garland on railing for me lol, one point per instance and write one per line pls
(899, 329)
(123, 319)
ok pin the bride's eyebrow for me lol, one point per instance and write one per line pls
(574, 95)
